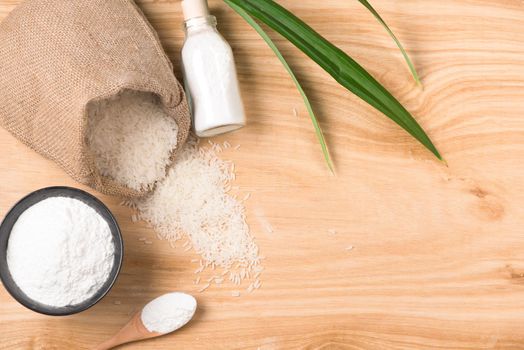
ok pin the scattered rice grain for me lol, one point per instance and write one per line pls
(204, 288)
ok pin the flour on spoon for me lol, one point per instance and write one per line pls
(169, 312)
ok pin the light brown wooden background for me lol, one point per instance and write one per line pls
(439, 252)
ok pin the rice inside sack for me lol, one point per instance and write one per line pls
(132, 138)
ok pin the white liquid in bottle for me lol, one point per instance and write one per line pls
(210, 74)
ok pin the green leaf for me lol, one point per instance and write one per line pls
(338, 64)
(404, 53)
(277, 52)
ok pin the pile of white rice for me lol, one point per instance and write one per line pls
(131, 138)
(193, 200)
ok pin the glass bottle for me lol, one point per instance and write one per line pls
(210, 74)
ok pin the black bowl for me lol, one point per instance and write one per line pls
(11, 218)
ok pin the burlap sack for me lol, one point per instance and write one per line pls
(58, 55)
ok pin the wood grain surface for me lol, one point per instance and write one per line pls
(438, 257)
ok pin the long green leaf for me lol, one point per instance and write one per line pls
(338, 64)
(393, 36)
(277, 52)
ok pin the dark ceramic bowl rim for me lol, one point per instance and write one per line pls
(5, 230)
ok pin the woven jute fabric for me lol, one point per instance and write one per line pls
(57, 56)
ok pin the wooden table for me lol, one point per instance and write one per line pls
(438, 258)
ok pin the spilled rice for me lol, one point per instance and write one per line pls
(193, 202)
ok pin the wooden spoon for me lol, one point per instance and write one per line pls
(134, 330)
(164, 314)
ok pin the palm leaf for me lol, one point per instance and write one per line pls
(334, 61)
(277, 52)
(404, 53)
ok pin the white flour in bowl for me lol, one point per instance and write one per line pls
(60, 252)
(169, 312)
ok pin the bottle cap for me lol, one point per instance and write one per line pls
(194, 8)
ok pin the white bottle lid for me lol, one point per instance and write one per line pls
(194, 8)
